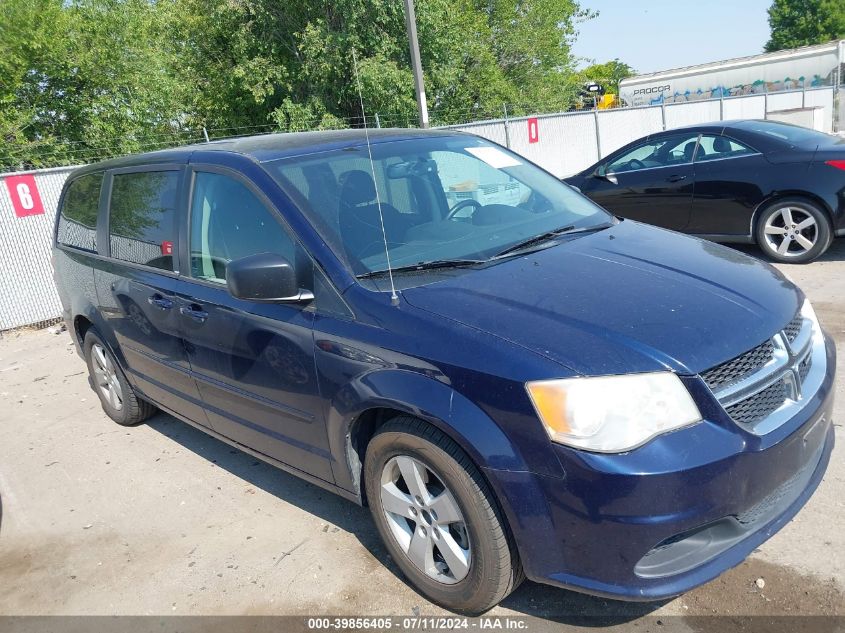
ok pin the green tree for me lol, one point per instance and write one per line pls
(257, 61)
(85, 78)
(29, 30)
(532, 40)
(608, 74)
(804, 22)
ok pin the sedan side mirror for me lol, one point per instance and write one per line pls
(266, 277)
(601, 172)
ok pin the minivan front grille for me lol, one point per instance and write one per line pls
(754, 387)
(760, 405)
(740, 367)
(804, 368)
(793, 328)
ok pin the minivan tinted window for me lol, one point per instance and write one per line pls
(142, 217)
(78, 217)
(229, 222)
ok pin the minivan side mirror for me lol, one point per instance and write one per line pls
(265, 277)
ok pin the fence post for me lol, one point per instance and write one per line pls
(663, 112)
(721, 105)
(598, 134)
(507, 127)
(836, 115)
(378, 121)
(205, 134)
(766, 102)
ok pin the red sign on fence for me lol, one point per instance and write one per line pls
(533, 131)
(24, 194)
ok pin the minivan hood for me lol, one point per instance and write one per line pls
(631, 298)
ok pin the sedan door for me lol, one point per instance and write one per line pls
(652, 183)
(253, 362)
(726, 189)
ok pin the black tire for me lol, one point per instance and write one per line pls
(494, 566)
(820, 234)
(132, 409)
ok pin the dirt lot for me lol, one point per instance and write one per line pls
(161, 519)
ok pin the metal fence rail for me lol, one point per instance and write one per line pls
(562, 143)
(568, 142)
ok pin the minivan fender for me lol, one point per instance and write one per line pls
(423, 397)
(91, 314)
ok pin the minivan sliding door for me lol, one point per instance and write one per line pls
(138, 282)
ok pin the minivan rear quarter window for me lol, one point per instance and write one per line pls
(78, 217)
(142, 227)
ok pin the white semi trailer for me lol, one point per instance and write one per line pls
(806, 67)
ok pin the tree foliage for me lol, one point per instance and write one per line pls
(804, 22)
(82, 79)
(78, 77)
(608, 74)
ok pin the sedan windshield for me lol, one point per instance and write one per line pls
(435, 200)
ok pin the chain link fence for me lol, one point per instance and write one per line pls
(27, 292)
(563, 143)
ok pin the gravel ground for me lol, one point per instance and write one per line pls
(161, 519)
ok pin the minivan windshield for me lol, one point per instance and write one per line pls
(443, 200)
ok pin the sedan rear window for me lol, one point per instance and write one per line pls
(792, 134)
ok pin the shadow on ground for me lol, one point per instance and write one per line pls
(835, 253)
(530, 599)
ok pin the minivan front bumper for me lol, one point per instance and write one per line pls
(674, 514)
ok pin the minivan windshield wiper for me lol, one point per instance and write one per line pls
(437, 263)
(545, 237)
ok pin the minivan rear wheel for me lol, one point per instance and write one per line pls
(117, 397)
(438, 517)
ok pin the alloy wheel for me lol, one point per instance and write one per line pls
(105, 376)
(425, 519)
(791, 231)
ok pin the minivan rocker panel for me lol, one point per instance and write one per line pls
(432, 406)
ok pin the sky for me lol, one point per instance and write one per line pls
(652, 35)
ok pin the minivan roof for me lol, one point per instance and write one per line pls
(266, 147)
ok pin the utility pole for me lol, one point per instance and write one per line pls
(411, 25)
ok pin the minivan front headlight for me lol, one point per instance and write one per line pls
(612, 414)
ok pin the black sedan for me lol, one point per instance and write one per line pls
(779, 185)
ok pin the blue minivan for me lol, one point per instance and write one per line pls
(517, 383)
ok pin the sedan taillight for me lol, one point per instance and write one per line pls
(839, 164)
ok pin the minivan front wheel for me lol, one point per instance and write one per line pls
(793, 231)
(438, 517)
(118, 399)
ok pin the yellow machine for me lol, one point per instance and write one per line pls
(608, 101)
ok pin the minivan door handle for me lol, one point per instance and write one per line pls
(194, 312)
(676, 178)
(162, 303)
